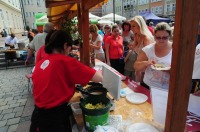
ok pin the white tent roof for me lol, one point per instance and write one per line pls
(111, 17)
(105, 22)
(91, 16)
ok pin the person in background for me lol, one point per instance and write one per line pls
(11, 41)
(5, 33)
(127, 34)
(142, 38)
(32, 33)
(38, 41)
(129, 60)
(41, 52)
(196, 71)
(107, 31)
(54, 79)
(159, 52)
(119, 24)
(114, 50)
(96, 43)
(151, 27)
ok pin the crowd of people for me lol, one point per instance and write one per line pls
(131, 48)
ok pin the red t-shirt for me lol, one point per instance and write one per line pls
(40, 54)
(116, 47)
(54, 79)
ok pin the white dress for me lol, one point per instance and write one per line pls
(196, 69)
(156, 78)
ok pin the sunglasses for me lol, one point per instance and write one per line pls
(107, 28)
(163, 38)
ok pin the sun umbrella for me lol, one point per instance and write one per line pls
(105, 22)
(110, 17)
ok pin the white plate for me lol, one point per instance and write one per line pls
(136, 98)
(141, 127)
(105, 129)
(165, 67)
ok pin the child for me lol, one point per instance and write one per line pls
(129, 60)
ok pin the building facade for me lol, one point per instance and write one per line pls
(11, 17)
(30, 8)
(131, 8)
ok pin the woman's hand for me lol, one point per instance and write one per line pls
(108, 63)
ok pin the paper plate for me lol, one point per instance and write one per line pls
(136, 98)
(141, 127)
(161, 67)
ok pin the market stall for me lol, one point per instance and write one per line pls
(183, 50)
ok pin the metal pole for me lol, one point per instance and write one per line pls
(114, 11)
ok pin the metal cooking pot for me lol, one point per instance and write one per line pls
(93, 91)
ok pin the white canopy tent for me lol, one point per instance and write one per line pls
(105, 22)
(111, 17)
(91, 17)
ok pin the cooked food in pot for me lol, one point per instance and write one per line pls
(96, 106)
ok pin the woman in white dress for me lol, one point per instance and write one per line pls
(159, 52)
(96, 43)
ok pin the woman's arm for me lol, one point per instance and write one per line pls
(127, 56)
(142, 62)
(107, 47)
(96, 47)
(97, 77)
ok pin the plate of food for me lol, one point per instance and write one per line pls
(136, 98)
(161, 67)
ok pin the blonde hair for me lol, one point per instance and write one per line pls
(93, 28)
(143, 26)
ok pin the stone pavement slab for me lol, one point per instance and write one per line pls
(16, 103)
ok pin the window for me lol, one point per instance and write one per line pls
(26, 14)
(38, 3)
(8, 19)
(2, 19)
(168, 8)
(173, 7)
(34, 14)
(30, 14)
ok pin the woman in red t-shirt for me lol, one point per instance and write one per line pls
(114, 50)
(54, 79)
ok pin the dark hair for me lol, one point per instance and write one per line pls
(98, 26)
(49, 36)
(126, 23)
(114, 26)
(57, 41)
(35, 31)
(12, 35)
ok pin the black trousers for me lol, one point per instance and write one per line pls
(51, 120)
(117, 65)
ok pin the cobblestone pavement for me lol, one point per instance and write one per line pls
(16, 102)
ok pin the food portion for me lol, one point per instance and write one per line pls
(96, 106)
(159, 66)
